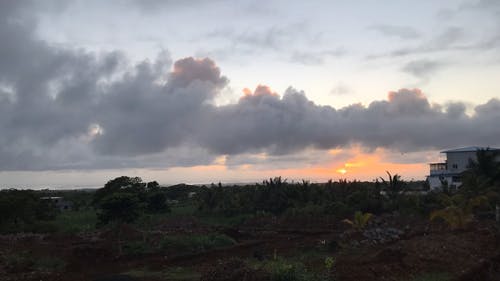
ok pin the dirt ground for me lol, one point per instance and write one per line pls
(469, 254)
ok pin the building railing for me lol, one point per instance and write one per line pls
(438, 168)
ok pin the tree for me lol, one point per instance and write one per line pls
(156, 202)
(153, 186)
(23, 207)
(483, 174)
(393, 186)
(119, 207)
(120, 184)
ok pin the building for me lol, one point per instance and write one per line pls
(60, 203)
(449, 172)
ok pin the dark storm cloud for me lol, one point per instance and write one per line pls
(139, 115)
(71, 109)
(405, 122)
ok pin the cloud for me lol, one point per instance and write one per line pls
(422, 69)
(447, 40)
(402, 32)
(341, 89)
(71, 109)
(315, 57)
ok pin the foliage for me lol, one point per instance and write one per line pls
(360, 220)
(21, 209)
(120, 184)
(483, 175)
(459, 209)
(443, 276)
(181, 274)
(25, 262)
(277, 196)
(173, 273)
(283, 270)
(329, 263)
(76, 221)
(156, 202)
(124, 199)
(51, 264)
(119, 207)
(134, 248)
(393, 186)
(18, 262)
(195, 243)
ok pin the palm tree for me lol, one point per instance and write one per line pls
(393, 186)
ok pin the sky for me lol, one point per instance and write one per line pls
(239, 91)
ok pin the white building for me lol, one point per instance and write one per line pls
(449, 172)
(59, 203)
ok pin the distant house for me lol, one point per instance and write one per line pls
(449, 172)
(60, 203)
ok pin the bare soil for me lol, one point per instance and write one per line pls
(469, 254)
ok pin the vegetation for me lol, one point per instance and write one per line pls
(459, 209)
(195, 243)
(128, 218)
(21, 209)
(360, 220)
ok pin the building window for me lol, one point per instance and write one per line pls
(454, 166)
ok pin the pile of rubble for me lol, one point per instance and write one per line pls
(381, 235)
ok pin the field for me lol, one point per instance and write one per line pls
(396, 240)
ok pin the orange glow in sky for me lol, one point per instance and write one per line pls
(361, 166)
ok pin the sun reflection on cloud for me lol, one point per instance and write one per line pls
(353, 163)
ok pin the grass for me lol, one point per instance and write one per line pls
(223, 220)
(195, 243)
(76, 221)
(281, 269)
(175, 273)
(434, 276)
(51, 264)
(144, 273)
(181, 274)
(24, 262)
(179, 244)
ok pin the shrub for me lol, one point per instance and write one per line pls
(360, 220)
(119, 207)
(282, 271)
(459, 211)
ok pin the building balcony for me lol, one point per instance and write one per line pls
(438, 168)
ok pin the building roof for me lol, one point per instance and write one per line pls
(469, 149)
